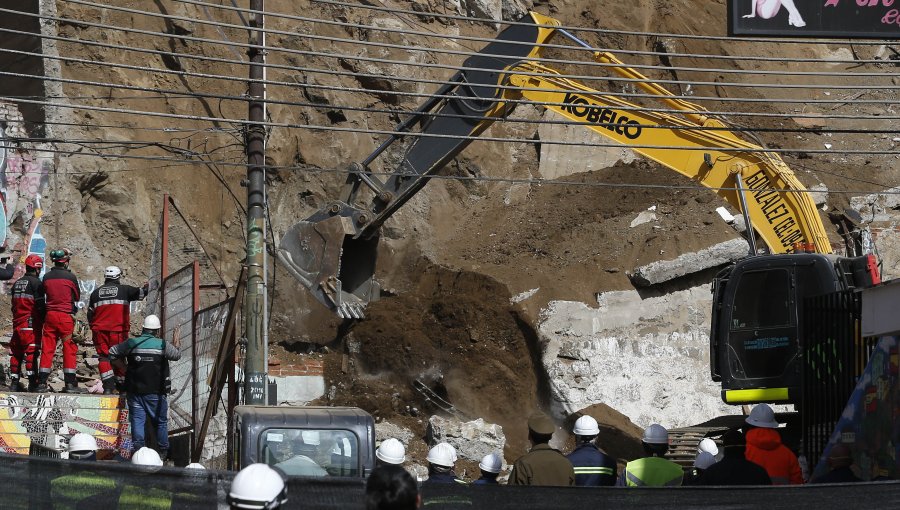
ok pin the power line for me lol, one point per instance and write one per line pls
(427, 49)
(425, 135)
(484, 179)
(421, 81)
(595, 30)
(448, 96)
(463, 53)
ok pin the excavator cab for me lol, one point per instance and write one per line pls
(756, 337)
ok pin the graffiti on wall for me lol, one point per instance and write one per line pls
(23, 176)
(870, 423)
(50, 420)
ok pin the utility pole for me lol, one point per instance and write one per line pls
(255, 376)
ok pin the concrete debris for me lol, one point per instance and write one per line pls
(665, 270)
(522, 296)
(644, 217)
(591, 152)
(727, 216)
(878, 207)
(827, 145)
(485, 9)
(385, 430)
(472, 439)
(819, 194)
(513, 10)
(647, 358)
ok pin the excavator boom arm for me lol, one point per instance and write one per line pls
(333, 252)
(781, 210)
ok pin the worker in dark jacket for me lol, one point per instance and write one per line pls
(490, 467)
(542, 465)
(61, 293)
(593, 468)
(27, 316)
(441, 459)
(734, 468)
(840, 460)
(109, 315)
(147, 381)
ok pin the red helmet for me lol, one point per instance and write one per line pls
(34, 262)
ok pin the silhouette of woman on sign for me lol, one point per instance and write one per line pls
(767, 9)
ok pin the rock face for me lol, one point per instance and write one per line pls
(647, 358)
(472, 439)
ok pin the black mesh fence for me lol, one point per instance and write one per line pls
(33, 483)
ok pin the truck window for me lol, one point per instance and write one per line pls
(762, 300)
(311, 452)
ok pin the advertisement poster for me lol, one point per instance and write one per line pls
(871, 19)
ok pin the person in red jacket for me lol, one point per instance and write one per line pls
(27, 313)
(109, 315)
(764, 447)
(61, 293)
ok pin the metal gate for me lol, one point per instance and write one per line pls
(835, 355)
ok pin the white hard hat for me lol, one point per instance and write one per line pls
(391, 451)
(112, 272)
(146, 457)
(656, 434)
(708, 445)
(586, 426)
(442, 454)
(311, 437)
(704, 460)
(257, 486)
(151, 322)
(491, 463)
(82, 442)
(762, 416)
(194, 465)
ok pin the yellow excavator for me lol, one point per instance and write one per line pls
(333, 252)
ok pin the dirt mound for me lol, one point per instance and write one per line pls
(456, 334)
(619, 437)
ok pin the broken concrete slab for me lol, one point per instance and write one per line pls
(590, 152)
(644, 217)
(472, 439)
(819, 194)
(648, 358)
(688, 263)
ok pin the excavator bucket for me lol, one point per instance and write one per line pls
(337, 268)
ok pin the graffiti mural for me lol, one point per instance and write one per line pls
(870, 423)
(24, 174)
(49, 420)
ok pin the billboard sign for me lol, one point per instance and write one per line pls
(871, 19)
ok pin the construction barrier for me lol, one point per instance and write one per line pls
(31, 482)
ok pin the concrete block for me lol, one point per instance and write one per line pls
(665, 270)
(300, 389)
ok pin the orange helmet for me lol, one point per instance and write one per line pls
(34, 262)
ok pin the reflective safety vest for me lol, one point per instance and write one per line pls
(653, 472)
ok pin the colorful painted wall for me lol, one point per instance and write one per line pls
(24, 171)
(870, 424)
(49, 420)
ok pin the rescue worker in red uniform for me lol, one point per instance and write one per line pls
(27, 313)
(109, 315)
(61, 293)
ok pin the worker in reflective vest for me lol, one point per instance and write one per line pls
(654, 470)
(593, 468)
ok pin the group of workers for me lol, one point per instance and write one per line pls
(43, 313)
(754, 455)
(43, 310)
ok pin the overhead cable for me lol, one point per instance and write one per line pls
(492, 21)
(536, 182)
(407, 47)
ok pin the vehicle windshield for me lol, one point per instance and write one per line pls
(311, 452)
(762, 300)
